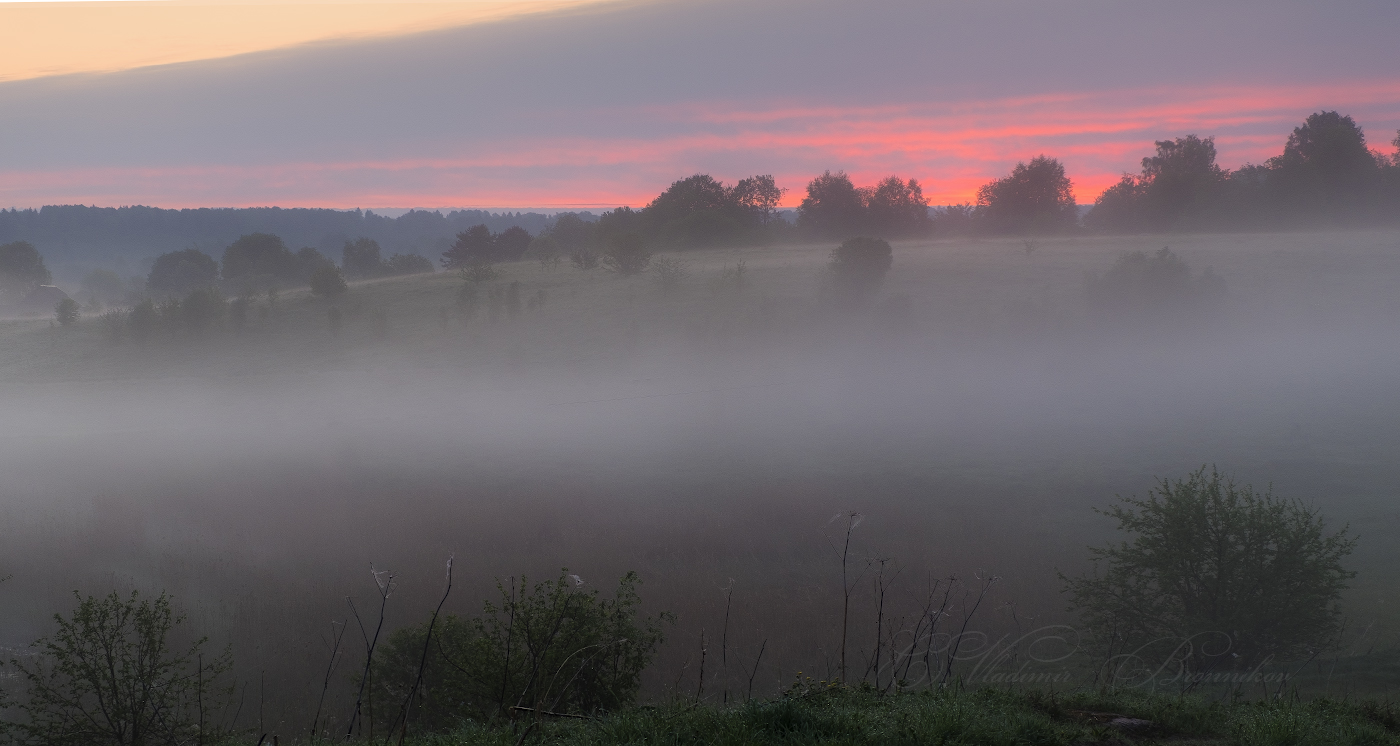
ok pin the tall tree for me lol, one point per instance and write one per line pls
(361, 258)
(474, 244)
(833, 207)
(1325, 163)
(758, 196)
(1036, 198)
(178, 272)
(1180, 180)
(21, 269)
(259, 254)
(898, 208)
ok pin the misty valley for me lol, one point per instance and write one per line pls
(780, 455)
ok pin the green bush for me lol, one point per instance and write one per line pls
(109, 675)
(551, 646)
(1215, 576)
(628, 255)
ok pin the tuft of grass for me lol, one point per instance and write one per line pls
(965, 717)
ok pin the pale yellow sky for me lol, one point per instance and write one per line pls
(54, 38)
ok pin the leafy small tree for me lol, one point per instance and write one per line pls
(1207, 558)
(549, 646)
(628, 255)
(327, 282)
(110, 675)
(858, 267)
(66, 311)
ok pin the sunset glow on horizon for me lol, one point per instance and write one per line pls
(592, 105)
(952, 149)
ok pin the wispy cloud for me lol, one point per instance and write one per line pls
(951, 147)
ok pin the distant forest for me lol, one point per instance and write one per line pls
(1326, 176)
(76, 233)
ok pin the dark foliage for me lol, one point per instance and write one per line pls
(360, 258)
(66, 312)
(1160, 287)
(550, 646)
(1326, 175)
(179, 272)
(259, 255)
(1216, 574)
(327, 282)
(478, 245)
(110, 675)
(407, 264)
(628, 255)
(858, 267)
(833, 207)
(21, 270)
(1036, 198)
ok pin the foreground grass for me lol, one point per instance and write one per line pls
(982, 717)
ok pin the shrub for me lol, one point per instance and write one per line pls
(144, 320)
(1219, 569)
(858, 267)
(407, 264)
(109, 675)
(730, 279)
(583, 260)
(552, 646)
(178, 272)
(202, 308)
(113, 323)
(479, 271)
(327, 282)
(629, 255)
(1138, 284)
(670, 273)
(66, 311)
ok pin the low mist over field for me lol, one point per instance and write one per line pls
(973, 411)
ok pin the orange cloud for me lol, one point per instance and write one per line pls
(952, 148)
(55, 38)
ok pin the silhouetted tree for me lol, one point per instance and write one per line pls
(1325, 165)
(21, 270)
(510, 244)
(571, 231)
(897, 208)
(360, 258)
(1036, 198)
(475, 244)
(833, 207)
(260, 255)
(1180, 181)
(758, 196)
(628, 255)
(327, 282)
(179, 272)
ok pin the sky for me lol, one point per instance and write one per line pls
(592, 104)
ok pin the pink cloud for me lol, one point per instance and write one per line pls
(951, 147)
